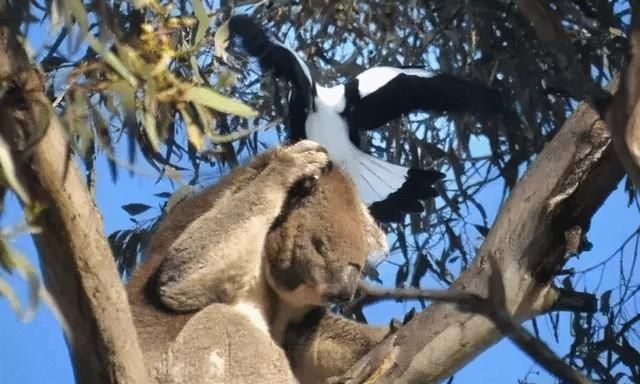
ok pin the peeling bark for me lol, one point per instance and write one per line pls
(562, 189)
(77, 262)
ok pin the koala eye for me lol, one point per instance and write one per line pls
(319, 246)
(356, 266)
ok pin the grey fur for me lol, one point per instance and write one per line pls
(251, 241)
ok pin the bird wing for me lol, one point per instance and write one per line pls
(386, 93)
(392, 191)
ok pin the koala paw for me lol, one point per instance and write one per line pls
(303, 163)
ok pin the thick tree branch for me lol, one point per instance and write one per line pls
(573, 301)
(563, 188)
(77, 262)
(631, 144)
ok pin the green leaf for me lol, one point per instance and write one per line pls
(212, 99)
(203, 20)
(127, 100)
(37, 292)
(135, 208)
(605, 302)
(150, 109)
(139, 4)
(196, 138)
(29, 273)
(6, 260)
(104, 139)
(7, 292)
(421, 266)
(76, 8)
(77, 119)
(163, 195)
(230, 137)
(402, 275)
(207, 121)
(220, 40)
(484, 231)
(113, 60)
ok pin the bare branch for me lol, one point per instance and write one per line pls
(488, 307)
(563, 299)
(534, 347)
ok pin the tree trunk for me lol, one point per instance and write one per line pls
(78, 266)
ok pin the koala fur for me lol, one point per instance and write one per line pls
(228, 269)
(325, 345)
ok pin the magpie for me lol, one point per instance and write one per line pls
(334, 116)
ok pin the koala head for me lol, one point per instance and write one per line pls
(317, 247)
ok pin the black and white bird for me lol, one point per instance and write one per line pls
(334, 116)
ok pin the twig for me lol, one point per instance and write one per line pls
(487, 307)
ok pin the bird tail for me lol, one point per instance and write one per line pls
(377, 178)
(391, 191)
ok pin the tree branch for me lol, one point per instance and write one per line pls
(534, 347)
(561, 299)
(563, 188)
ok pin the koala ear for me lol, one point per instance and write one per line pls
(374, 236)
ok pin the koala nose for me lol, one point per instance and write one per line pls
(343, 285)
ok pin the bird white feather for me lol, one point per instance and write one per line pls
(375, 178)
(374, 78)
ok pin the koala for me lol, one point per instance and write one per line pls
(230, 268)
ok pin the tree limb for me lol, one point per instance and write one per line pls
(488, 307)
(562, 189)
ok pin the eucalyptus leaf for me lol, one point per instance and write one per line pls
(135, 208)
(212, 99)
(203, 20)
(196, 138)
